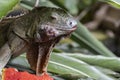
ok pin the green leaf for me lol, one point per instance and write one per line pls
(59, 3)
(20, 61)
(115, 3)
(108, 71)
(83, 37)
(75, 64)
(6, 6)
(29, 4)
(112, 63)
(71, 5)
(62, 69)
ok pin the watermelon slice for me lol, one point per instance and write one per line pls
(14, 74)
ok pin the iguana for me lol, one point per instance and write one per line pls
(35, 33)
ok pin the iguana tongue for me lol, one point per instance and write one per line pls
(38, 55)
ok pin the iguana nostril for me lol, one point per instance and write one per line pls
(74, 24)
(71, 23)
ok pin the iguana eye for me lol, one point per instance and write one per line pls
(53, 17)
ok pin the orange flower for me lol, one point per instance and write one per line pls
(13, 74)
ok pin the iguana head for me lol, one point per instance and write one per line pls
(52, 23)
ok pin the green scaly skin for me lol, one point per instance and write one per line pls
(35, 33)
